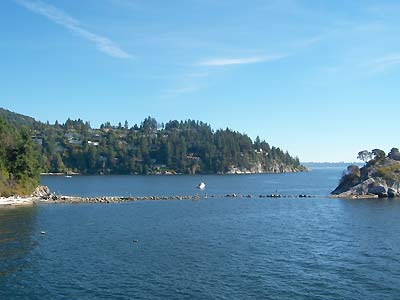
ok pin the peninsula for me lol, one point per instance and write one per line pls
(30, 147)
(379, 177)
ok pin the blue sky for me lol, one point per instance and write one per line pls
(320, 79)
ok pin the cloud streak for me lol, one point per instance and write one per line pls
(383, 63)
(59, 17)
(221, 62)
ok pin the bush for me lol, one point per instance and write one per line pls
(389, 172)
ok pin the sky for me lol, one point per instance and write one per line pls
(320, 79)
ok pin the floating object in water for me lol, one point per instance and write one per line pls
(43, 232)
(68, 176)
(201, 186)
(135, 241)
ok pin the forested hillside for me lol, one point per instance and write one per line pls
(187, 147)
(19, 168)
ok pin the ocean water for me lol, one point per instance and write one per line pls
(216, 248)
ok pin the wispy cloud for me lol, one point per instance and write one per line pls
(129, 4)
(59, 17)
(220, 62)
(188, 83)
(383, 63)
(177, 91)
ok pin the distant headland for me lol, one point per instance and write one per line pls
(30, 147)
(379, 177)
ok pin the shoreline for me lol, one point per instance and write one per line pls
(175, 174)
(355, 197)
(62, 199)
(18, 201)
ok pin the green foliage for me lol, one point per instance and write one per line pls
(378, 154)
(394, 154)
(364, 155)
(15, 119)
(19, 171)
(351, 176)
(177, 147)
(389, 172)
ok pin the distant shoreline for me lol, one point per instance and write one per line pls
(60, 174)
(174, 174)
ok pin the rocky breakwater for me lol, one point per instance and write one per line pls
(113, 199)
(43, 195)
(379, 178)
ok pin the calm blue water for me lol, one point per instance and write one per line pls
(319, 182)
(313, 248)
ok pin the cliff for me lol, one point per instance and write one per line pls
(260, 168)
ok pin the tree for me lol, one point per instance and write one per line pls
(394, 154)
(378, 154)
(19, 168)
(364, 155)
(149, 124)
(183, 146)
(353, 171)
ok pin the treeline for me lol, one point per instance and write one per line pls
(185, 147)
(175, 147)
(19, 168)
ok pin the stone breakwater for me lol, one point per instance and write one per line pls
(42, 194)
(73, 199)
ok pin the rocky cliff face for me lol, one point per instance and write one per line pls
(275, 167)
(378, 178)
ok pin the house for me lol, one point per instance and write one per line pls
(38, 141)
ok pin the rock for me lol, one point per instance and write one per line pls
(379, 190)
(231, 195)
(392, 193)
(42, 191)
(379, 177)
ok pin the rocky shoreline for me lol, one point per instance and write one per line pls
(378, 178)
(42, 195)
(116, 199)
(276, 169)
(18, 201)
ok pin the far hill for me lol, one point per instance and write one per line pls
(16, 119)
(312, 165)
(177, 147)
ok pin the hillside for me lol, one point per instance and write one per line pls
(177, 147)
(379, 177)
(16, 119)
(19, 170)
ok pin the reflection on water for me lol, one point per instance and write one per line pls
(17, 226)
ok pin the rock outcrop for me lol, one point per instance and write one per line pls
(41, 191)
(379, 178)
(274, 167)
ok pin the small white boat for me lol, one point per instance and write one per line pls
(68, 176)
(201, 186)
